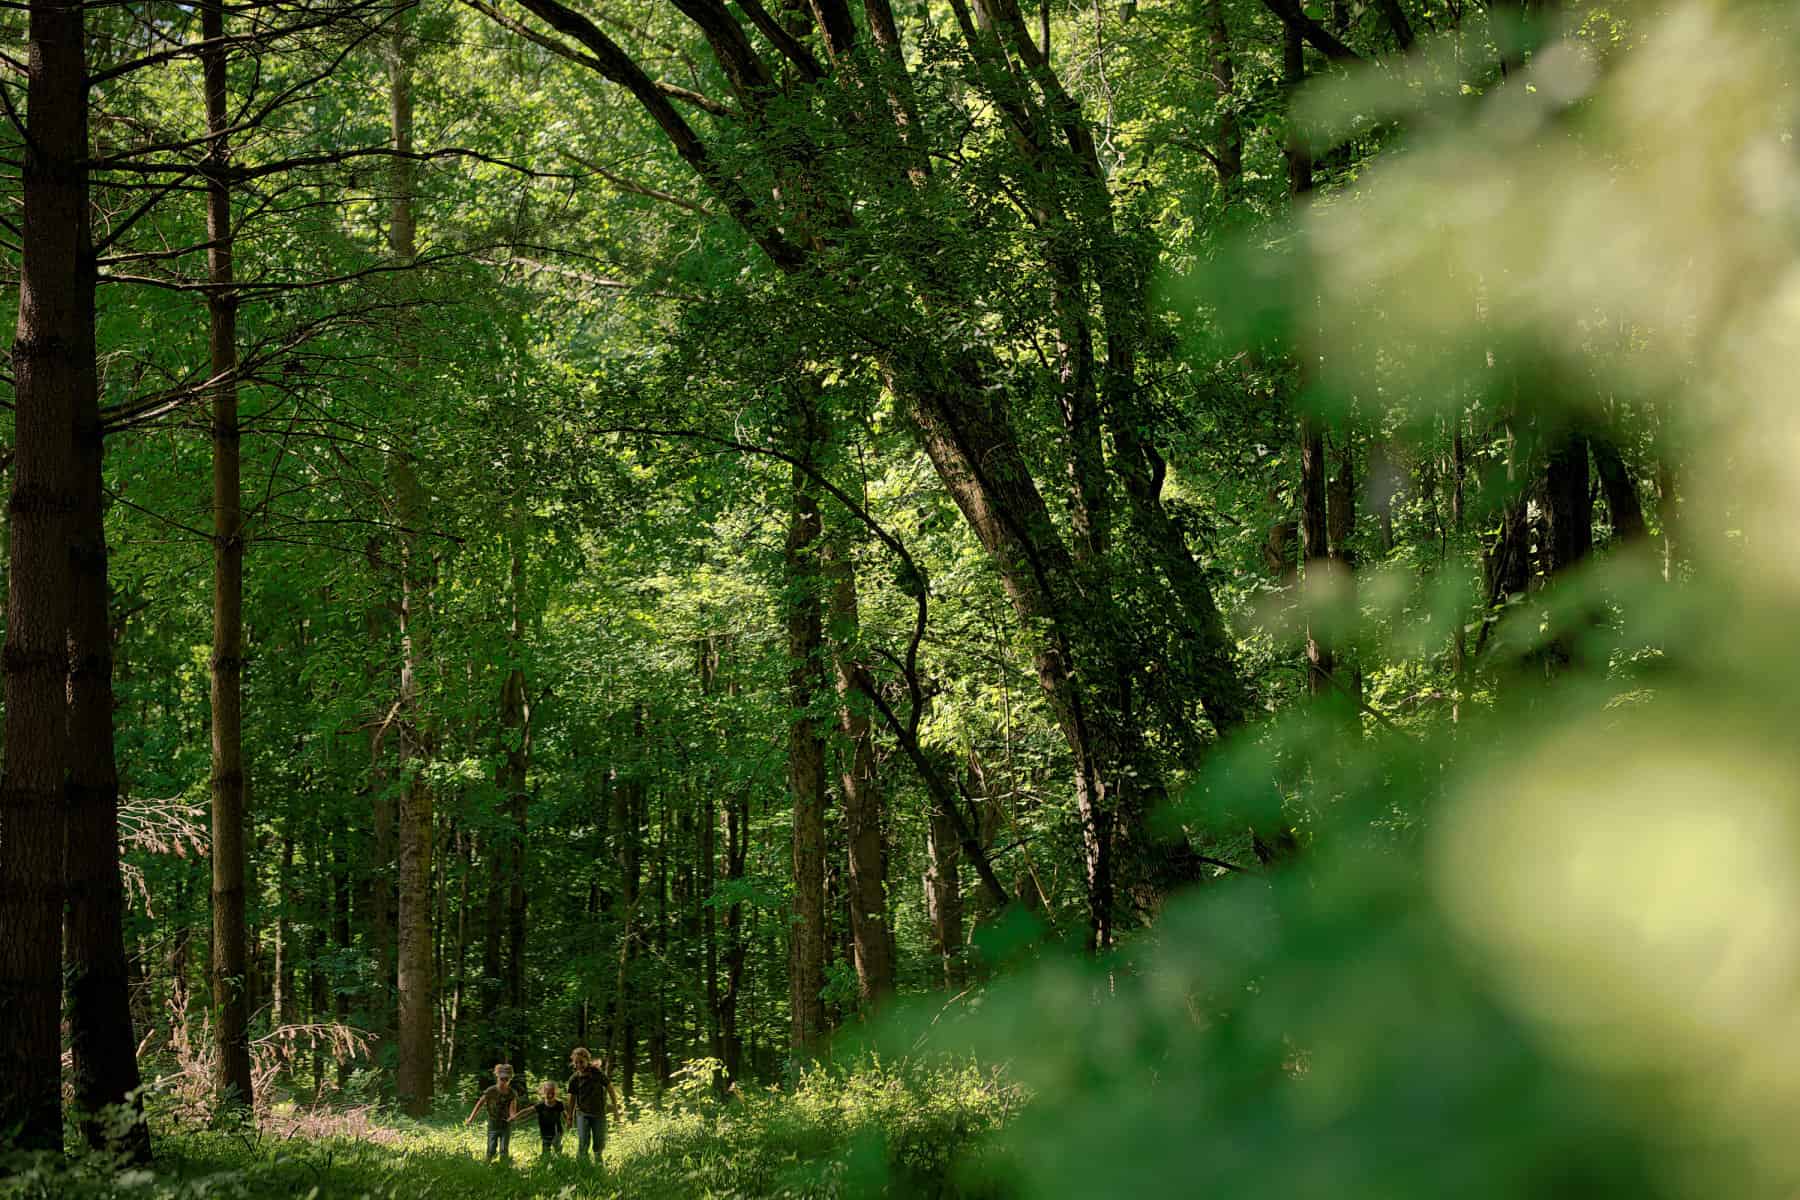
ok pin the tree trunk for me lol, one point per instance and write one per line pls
(1228, 143)
(53, 368)
(629, 801)
(1623, 508)
(459, 990)
(340, 935)
(318, 923)
(1568, 531)
(659, 1025)
(417, 831)
(1340, 528)
(1569, 508)
(230, 963)
(872, 938)
(1667, 514)
(493, 946)
(806, 756)
(285, 1010)
(737, 851)
(515, 732)
(709, 872)
(101, 1038)
(1459, 470)
(1315, 551)
(943, 895)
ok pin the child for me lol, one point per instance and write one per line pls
(501, 1103)
(589, 1089)
(549, 1112)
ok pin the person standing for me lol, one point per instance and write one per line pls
(589, 1092)
(552, 1118)
(502, 1103)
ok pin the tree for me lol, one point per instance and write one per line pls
(53, 372)
(230, 964)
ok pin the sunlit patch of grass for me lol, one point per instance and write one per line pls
(874, 1130)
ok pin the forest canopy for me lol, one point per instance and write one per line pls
(952, 600)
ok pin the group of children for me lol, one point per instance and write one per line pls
(589, 1090)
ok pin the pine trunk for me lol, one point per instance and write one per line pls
(101, 1039)
(417, 833)
(230, 962)
(53, 368)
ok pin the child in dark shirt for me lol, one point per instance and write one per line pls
(551, 1114)
(502, 1103)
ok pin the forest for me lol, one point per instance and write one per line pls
(738, 598)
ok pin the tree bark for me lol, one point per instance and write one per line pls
(1228, 141)
(806, 752)
(629, 802)
(1315, 550)
(340, 934)
(659, 1026)
(737, 851)
(872, 937)
(285, 1009)
(943, 895)
(708, 884)
(101, 1039)
(53, 367)
(417, 832)
(230, 963)
(1624, 509)
(512, 780)
(1569, 508)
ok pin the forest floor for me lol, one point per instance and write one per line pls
(864, 1135)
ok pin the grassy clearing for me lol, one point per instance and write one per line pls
(875, 1132)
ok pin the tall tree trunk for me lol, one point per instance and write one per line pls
(627, 821)
(285, 1009)
(457, 1051)
(1228, 142)
(1315, 529)
(709, 872)
(659, 1026)
(806, 752)
(317, 925)
(1340, 527)
(872, 936)
(417, 831)
(1667, 514)
(1569, 508)
(943, 894)
(1568, 531)
(493, 945)
(101, 1039)
(515, 732)
(1623, 508)
(1459, 470)
(1315, 551)
(340, 935)
(230, 963)
(737, 852)
(53, 367)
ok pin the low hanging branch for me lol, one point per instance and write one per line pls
(1316, 35)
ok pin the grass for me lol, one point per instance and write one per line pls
(874, 1132)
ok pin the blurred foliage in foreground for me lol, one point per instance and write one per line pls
(1551, 948)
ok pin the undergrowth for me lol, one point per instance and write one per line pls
(876, 1131)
